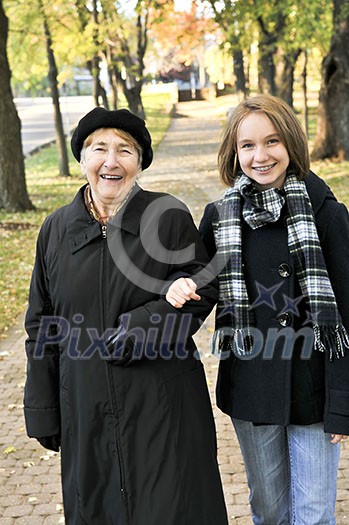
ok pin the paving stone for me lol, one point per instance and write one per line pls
(10, 500)
(6, 521)
(44, 509)
(54, 520)
(29, 520)
(18, 511)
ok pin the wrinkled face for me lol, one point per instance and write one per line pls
(110, 164)
(262, 155)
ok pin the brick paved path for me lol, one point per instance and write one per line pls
(185, 165)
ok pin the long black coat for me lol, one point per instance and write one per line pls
(138, 441)
(278, 386)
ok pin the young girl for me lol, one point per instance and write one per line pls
(281, 242)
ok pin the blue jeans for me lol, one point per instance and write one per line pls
(291, 473)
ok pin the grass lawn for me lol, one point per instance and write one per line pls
(48, 191)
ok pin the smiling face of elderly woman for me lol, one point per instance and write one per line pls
(111, 161)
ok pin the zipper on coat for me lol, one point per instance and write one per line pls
(112, 394)
(118, 447)
(124, 500)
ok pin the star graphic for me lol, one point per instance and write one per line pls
(291, 305)
(266, 295)
(227, 309)
(312, 318)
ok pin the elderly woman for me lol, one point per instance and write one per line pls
(113, 379)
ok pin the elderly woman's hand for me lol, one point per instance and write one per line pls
(181, 291)
(119, 347)
(50, 442)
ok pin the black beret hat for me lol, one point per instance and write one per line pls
(119, 119)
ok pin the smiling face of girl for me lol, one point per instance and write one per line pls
(262, 155)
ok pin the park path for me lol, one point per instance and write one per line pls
(30, 494)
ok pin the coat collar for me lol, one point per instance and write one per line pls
(318, 191)
(129, 219)
(82, 228)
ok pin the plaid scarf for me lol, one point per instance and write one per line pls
(259, 208)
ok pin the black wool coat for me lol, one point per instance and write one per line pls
(138, 441)
(278, 385)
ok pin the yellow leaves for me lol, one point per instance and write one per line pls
(9, 450)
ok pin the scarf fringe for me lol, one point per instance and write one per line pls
(242, 342)
(239, 341)
(331, 339)
(334, 340)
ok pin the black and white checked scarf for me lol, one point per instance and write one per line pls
(259, 208)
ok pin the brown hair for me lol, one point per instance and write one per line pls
(120, 133)
(285, 123)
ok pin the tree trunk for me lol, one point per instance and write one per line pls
(95, 81)
(98, 91)
(93, 64)
(132, 94)
(13, 190)
(114, 86)
(239, 72)
(266, 69)
(267, 50)
(266, 66)
(132, 86)
(134, 100)
(95, 59)
(332, 131)
(52, 76)
(305, 93)
(285, 75)
(103, 95)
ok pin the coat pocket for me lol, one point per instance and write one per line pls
(339, 402)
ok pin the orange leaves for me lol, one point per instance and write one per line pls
(180, 33)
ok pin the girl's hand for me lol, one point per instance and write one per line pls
(181, 291)
(337, 438)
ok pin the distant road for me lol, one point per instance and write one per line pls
(37, 118)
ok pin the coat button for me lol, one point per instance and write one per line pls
(284, 270)
(284, 319)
